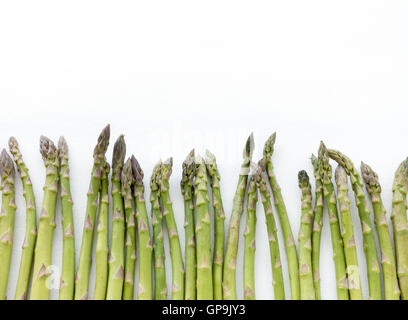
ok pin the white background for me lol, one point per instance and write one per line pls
(172, 75)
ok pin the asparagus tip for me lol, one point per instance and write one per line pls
(13, 144)
(6, 164)
(369, 176)
(119, 152)
(47, 148)
(303, 178)
(340, 175)
(62, 147)
(136, 169)
(103, 142)
(154, 180)
(166, 168)
(126, 175)
(249, 147)
(269, 145)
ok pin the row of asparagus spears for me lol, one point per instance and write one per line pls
(209, 270)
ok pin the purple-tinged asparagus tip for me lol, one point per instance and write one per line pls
(6, 165)
(103, 142)
(47, 149)
(119, 152)
(137, 170)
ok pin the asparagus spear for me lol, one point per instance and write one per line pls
(305, 240)
(145, 291)
(31, 223)
(187, 190)
(317, 228)
(130, 257)
(391, 288)
(102, 240)
(370, 250)
(68, 252)
(160, 288)
(177, 265)
(43, 248)
(219, 218)
(229, 272)
(175, 248)
(85, 256)
(117, 254)
(336, 238)
(289, 242)
(203, 234)
(8, 209)
(350, 251)
(400, 225)
(249, 234)
(278, 283)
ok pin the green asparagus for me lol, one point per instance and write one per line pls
(187, 189)
(31, 223)
(350, 251)
(130, 255)
(203, 233)
(249, 234)
(307, 291)
(219, 229)
(85, 256)
(389, 270)
(8, 209)
(40, 287)
(289, 242)
(145, 291)
(230, 262)
(278, 283)
(102, 240)
(160, 288)
(400, 225)
(317, 228)
(175, 248)
(68, 252)
(370, 250)
(117, 253)
(336, 238)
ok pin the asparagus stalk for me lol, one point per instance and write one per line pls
(203, 234)
(370, 250)
(102, 240)
(317, 228)
(249, 234)
(389, 270)
(117, 252)
(31, 223)
(67, 281)
(43, 248)
(187, 189)
(400, 225)
(175, 248)
(278, 283)
(85, 256)
(219, 218)
(145, 290)
(350, 251)
(289, 242)
(130, 257)
(229, 272)
(336, 238)
(8, 209)
(305, 240)
(160, 288)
